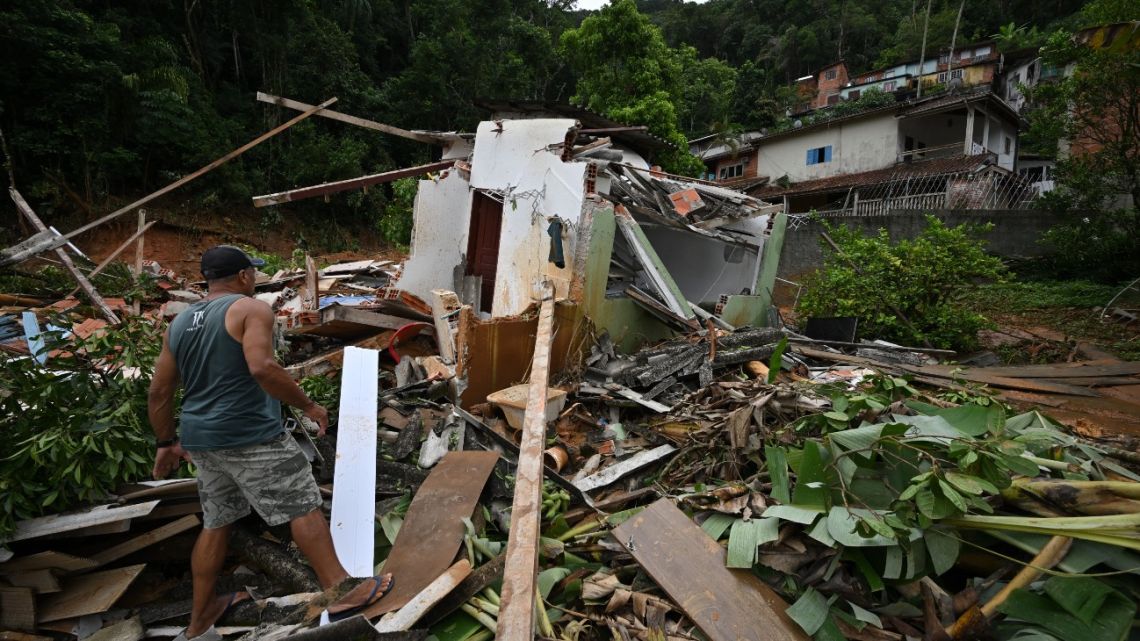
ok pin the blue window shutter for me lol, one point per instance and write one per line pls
(811, 156)
(827, 154)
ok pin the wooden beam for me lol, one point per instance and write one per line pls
(338, 186)
(164, 532)
(88, 594)
(84, 284)
(414, 610)
(136, 305)
(352, 120)
(115, 254)
(516, 616)
(57, 523)
(16, 257)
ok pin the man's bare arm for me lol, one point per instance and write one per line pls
(257, 344)
(160, 395)
(160, 411)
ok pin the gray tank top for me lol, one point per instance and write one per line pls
(222, 405)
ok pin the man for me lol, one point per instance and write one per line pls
(221, 349)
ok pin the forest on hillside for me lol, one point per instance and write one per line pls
(101, 100)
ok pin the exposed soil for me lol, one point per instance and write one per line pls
(178, 240)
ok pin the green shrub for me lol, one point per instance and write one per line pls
(77, 428)
(395, 224)
(924, 278)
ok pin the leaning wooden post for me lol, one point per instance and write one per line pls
(516, 615)
(136, 305)
(85, 284)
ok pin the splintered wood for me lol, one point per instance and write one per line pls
(516, 618)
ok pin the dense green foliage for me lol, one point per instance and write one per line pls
(104, 101)
(1096, 109)
(924, 278)
(77, 429)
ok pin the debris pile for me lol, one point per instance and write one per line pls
(706, 487)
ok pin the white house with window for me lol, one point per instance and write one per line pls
(970, 123)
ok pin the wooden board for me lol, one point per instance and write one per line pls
(164, 532)
(1086, 369)
(47, 560)
(516, 612)
(414, 610)
(42, 581)
(17, 608)
(170, 510)
(432, 532)
(727, 605)
(57, 523)
(88, 594)
(353, 519)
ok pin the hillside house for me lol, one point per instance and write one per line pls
(976, 125)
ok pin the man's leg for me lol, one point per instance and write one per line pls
(312, 535)
(205, 565)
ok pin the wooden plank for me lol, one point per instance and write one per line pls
(136, 304)
(346, 322)
(352, 120)
(433, 531)
(56, 523)
(47, 560)
(17, 608)
(977, 375)
(9, 635)
(1091, 369)
(420, 604)
(516, 615)
(42, 581)
(113, 255)
(170, 510)
(727, 605)
(324, 189)
(162, 533)
(64, 258)
(476, 582)
(103, 529)
(618, 470)
(326, 363)
(88, 594)
(354, 482)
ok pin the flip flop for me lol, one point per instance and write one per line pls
(211, 634)
(373, 597)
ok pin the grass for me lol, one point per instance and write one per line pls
(1072, 308)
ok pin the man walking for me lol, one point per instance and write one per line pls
(221, 349)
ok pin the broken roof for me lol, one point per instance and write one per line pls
(639, 141)
(937, 166)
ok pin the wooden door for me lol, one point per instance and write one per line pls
(483, 244)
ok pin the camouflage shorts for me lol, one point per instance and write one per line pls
(273, 477)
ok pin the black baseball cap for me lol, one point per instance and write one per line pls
(226, 260)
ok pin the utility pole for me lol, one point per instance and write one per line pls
(922, 56)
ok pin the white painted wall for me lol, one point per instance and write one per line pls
(441, 218)
(521, 163)
(859, 145)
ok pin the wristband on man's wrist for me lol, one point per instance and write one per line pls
(166, 442)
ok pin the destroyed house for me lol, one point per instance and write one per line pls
(626, 248)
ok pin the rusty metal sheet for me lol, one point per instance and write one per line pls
(432, 532)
